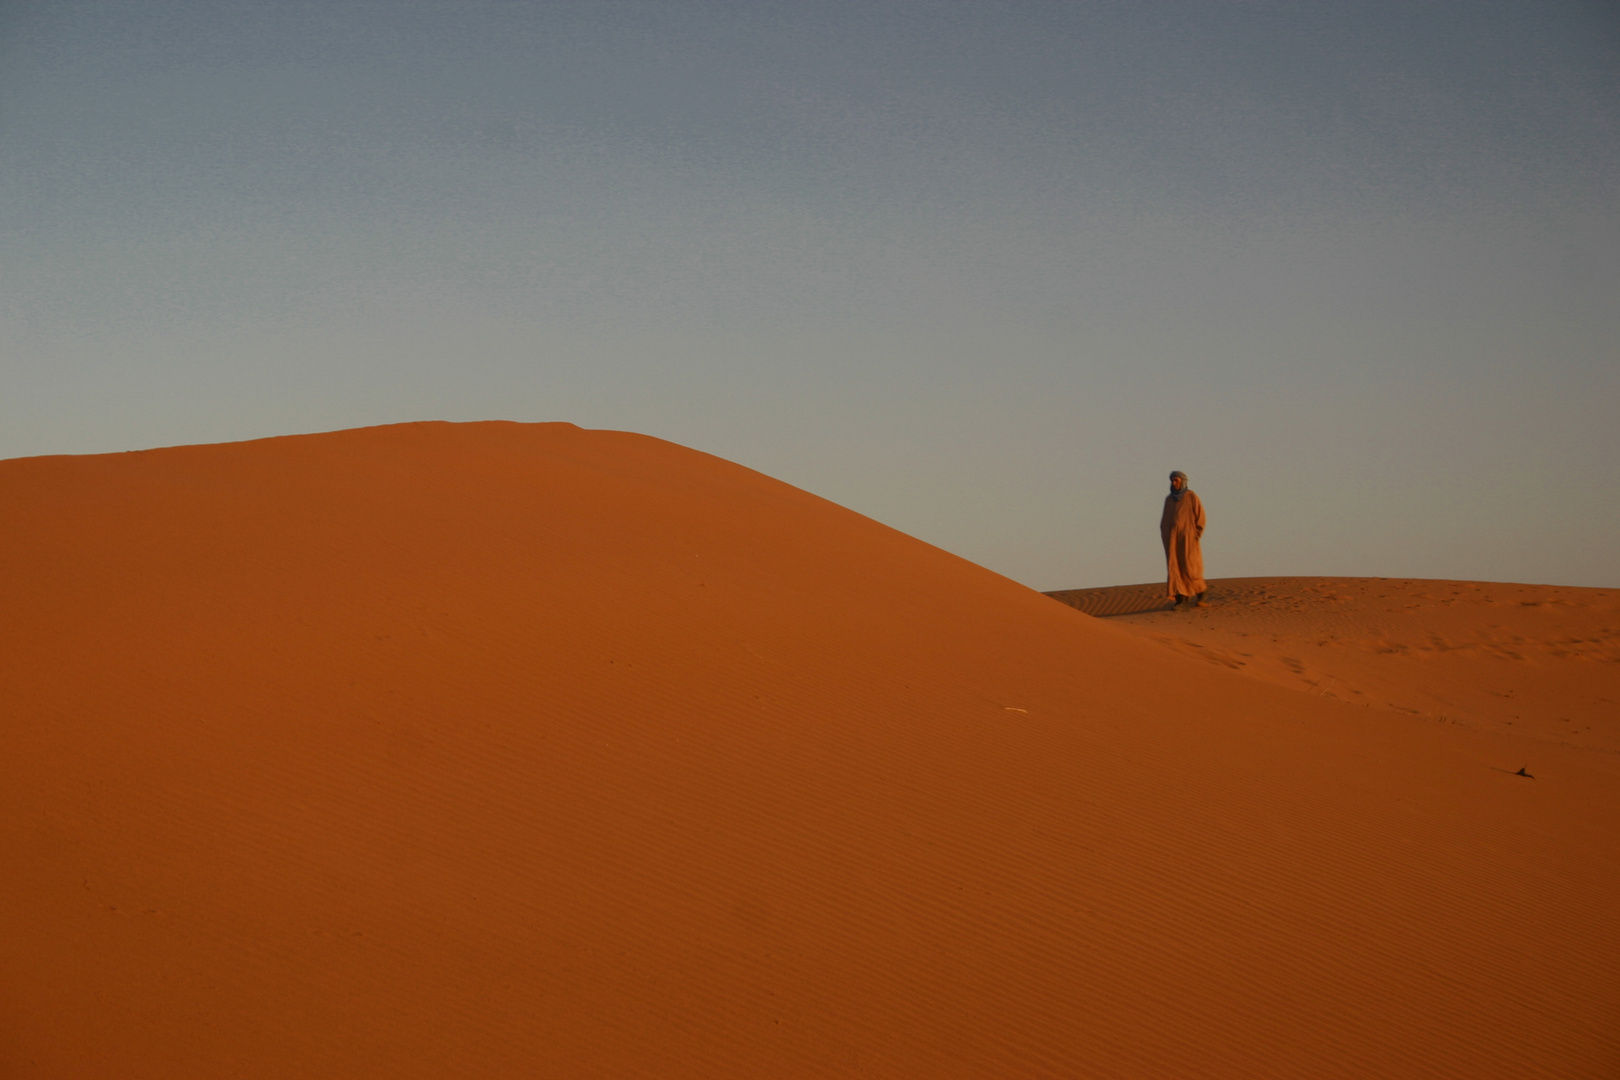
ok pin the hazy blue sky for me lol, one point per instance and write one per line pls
(983, 271)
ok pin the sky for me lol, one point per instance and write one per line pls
(985, 272)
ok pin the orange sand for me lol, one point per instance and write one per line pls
(1531, 660)
(507, 750)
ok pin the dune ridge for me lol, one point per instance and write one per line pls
(514, 750)
(1540, 661)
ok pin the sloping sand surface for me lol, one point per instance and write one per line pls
(506, 750)
(1541, 661)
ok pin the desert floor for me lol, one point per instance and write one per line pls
(502, 750)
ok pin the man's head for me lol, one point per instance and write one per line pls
(1178, 481)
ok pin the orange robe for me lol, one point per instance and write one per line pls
(1180, 527)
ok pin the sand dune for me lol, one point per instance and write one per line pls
(521, 750)
(1540, 661)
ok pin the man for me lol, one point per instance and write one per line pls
(1181, 526)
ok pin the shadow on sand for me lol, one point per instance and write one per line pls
(1115, 599)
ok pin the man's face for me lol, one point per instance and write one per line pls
(1177, 483)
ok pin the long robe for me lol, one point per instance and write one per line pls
(1180, 527)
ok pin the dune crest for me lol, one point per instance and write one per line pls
(514, 750)
(1540, 661)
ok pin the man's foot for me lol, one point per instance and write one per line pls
(1176, 600)
(1201, 600)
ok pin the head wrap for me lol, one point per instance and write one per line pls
(1174, 494)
